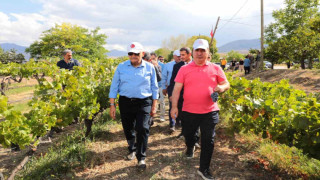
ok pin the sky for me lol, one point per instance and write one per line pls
(146, 21)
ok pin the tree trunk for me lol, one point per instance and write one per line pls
(302, 63)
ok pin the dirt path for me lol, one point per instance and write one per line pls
(166, 158)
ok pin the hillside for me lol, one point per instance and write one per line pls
(241, 46)
(20, 49)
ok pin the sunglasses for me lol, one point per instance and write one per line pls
(131, 53)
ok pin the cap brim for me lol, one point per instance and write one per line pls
(135, 51)
(200, 47)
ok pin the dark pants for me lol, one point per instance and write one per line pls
(135, 117)
(207, 123)
(246, 69)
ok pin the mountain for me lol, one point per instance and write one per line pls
(20, 49)
(117, 53)
(240, 46)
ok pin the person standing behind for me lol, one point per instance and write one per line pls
(165, 82)
(161, 98)
(233, 64)
(223, 63)
(241, 67)
(136, 82)
(186, 58)
(67, 62)
(199, 79)
(247, 65)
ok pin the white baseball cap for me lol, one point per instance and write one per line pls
(176, 52)
(200, 44)
(135, 47)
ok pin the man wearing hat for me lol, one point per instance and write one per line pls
(165, 82)
(136, 83)
(200, 79)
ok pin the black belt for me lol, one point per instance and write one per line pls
(135, 99)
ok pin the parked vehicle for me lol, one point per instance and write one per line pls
(267, 64)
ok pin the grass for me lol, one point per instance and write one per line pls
(19, 90)
(67, 154)
(280, 156)
(21, 106)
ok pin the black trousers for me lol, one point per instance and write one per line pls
(246, 69)
(207, 123)
(135, 117)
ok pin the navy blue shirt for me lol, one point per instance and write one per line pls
(63, 65)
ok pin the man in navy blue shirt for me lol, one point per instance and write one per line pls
(67, 62)
(136, 82)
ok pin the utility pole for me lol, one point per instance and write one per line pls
(215, 29)
(262, 36)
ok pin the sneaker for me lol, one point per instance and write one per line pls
(190, 152)
(172, 129)
(142, 164)
(205, 174)
(180, 136)
(162, 120)
(131, 155)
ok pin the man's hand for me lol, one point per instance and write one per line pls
(112, 112)
(154, 107)
(153, 111)
(174, 112)
(164, 92)
(218, 89)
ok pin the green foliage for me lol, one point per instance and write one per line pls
(316, 65)
(234, 54)
(11, 56)
(164, 52)
(294, 36)
(81, 41)
(60, 97)
(284, 114)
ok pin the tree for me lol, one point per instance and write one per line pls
(81, 41)
(290, 33)
(174, 43)
(213, 47)
(164, 52)
(234, 54)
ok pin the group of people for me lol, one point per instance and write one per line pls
(190, 80)
(242, 65)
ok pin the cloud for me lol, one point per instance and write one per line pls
(148, 22)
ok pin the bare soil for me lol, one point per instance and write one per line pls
(307, 80)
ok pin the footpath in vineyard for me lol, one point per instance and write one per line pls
(166, 159)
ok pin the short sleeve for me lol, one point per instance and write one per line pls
(220, 74)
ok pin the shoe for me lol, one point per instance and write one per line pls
(162, 120)
(142, 164)
(190, 152)
(197, 145)
(131, 155)
(205, 174)
(180, 136)
(172, 129)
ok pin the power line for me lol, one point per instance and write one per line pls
(246, 17)
(234, 14)
(238, 22)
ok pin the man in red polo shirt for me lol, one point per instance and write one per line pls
(200, 79)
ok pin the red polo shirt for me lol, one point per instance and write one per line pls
(199, 83)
